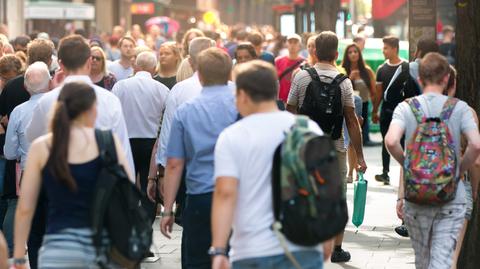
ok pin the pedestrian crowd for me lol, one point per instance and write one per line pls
(246, 144)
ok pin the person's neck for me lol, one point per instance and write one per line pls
(125, 62)
(354, 66)
(259, 51)
(332, 63)
(95, 73)
(293, 56)
(395, 60)
(79, 72)
(433, 88)
(263, 107)
(167, 71)
(447, 40)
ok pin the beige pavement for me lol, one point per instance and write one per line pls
(375, 245)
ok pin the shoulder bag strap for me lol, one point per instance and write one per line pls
(290, 69)
(395, 76)
(106, 146)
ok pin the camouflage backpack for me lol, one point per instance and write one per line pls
(431, 162)
(309, 205)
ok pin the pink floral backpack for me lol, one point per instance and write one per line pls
(430, 166)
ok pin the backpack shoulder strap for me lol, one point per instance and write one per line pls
(339, 79)
(416, 109)
(106, 146)
(276, 184)
(313, 73)
(448, 108)
(301, 121)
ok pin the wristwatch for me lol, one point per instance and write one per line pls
(213, 251)
(19, 261)
(167, 214)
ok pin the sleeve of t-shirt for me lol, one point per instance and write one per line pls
(379, 76)
(294, 93)
(347, 93)
(175, 147)
(226, 163)
(468, 121)
(399, 113)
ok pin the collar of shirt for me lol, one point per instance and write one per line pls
(35, 96)
(326, 67)
(143, 74)
(82, 78)
(208, 90)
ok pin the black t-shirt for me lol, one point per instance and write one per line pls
(169, 82)
(13, 94)
(384, 75)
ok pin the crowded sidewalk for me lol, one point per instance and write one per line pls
(374, 245)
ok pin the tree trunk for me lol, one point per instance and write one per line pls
(468, 67)
(326, 12)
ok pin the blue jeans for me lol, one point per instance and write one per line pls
(8, 223)
(2, 173)
(308, 259)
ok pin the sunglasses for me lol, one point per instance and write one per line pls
(97, 58)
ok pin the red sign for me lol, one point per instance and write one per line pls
(382, 9)
(142, 8)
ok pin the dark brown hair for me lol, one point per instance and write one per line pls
(256, 38)
(326, 45)
(214, 66)
(74, 99)
(392, 41)
(362, 66)
(10, 62)
(433, 68)
(426, 45)
(258, 79)
(73, 52)
(248, 47)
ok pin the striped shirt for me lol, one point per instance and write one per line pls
(327, 73)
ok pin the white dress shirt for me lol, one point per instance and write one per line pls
(109, 114)
(16, 143)
(180, 93)
(143, 101)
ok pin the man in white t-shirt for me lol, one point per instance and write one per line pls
(243, 193)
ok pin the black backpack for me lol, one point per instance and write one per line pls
(308, 202)
(406, 84)
(117, 208)
(323, 103)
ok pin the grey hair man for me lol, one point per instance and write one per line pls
(146, 61)
(37, 82)
(143, 101)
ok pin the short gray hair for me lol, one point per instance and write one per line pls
(37, 78)
(146, 60)
(198, 45)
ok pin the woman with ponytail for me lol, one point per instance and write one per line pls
(65, 163)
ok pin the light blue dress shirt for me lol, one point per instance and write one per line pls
(194, 133)
(16, 142)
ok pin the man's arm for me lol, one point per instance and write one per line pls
(12, 145)
(392, 142)
(472, 151)
(376, 100)
(223, 208)
(292, 109)
(353, 128)
(173, 176)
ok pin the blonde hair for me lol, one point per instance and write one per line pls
(104, 61)
(175, 50)
(185, 45)
(185, 70)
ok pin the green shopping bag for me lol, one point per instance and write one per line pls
(359, 200)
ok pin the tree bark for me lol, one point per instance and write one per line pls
(468, 82)
(326, 12)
